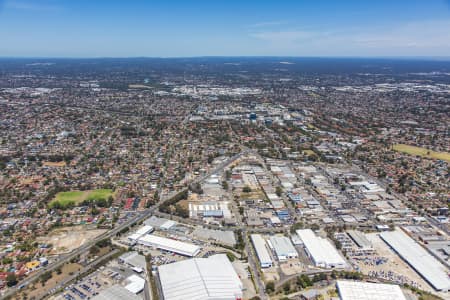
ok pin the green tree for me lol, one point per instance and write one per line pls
(270, 286)
(287, 288)
(11, 279)
(279, 191)
(94, 250)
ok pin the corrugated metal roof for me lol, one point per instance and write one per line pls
(261, 250)
(170, 245)
(283, 246)
(423, 262)
(200, 278)
(355, 290)
(320, 249)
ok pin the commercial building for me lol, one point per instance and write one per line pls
(320, 250)
(261, 251)
(356, 290)
(283, 247)
(174, 246)
(435, 273)
(200, 278)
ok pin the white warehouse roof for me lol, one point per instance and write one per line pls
(169, 245)
(116, 292)
(134, 236)
(283, 247)
(356, 290)
(140, 232)
(261, 251)
(418, 258)
(321, 251)
(200, 279)
(136, 284)
(144, 230)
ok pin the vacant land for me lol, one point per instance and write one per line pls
(67, 239)
(73, 198)
(413, 150)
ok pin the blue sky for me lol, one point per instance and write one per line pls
(112, 28)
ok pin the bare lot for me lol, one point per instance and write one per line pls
(66, 239)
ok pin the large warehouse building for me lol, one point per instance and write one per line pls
(264, 258)
(146, 229)
(357, 290)
(211, 278)
(116, 292)
(320, 250)
(283, 247)
(436, 274)
(174, 246)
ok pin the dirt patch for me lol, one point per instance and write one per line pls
(184, 204)
(270, 274)
(292, 267)
(67, 239)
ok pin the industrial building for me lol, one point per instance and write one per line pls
(359, 239)
(283, 247)
(116, 292)
(134, 260)
(217, 209)
(200, 278)
(146, 229)
(160, 223)
(259, 244)
(364, 246)
(135, 284)
(320, 250)
(357, 290)
(174, 246)
(435, 273)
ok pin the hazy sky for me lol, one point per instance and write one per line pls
(112, 28)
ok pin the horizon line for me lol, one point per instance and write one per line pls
(412, 57)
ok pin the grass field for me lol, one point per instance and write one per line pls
(139, 86)
(73, 198)
(309, 152)
(413, 150)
